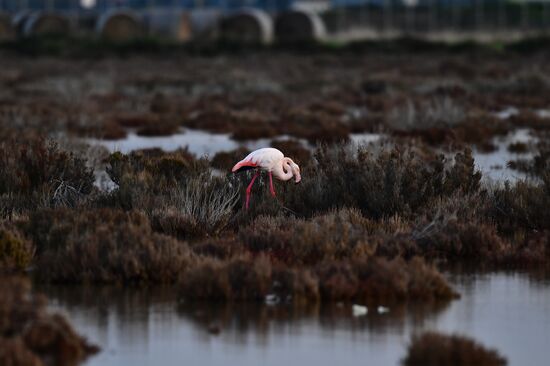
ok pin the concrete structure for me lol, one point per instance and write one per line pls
(258, 21)
(7, 31)
(248, 25)
(46, 23)
(299, 26)
(182, 25)
(120, 25)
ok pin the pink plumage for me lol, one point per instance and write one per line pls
(273, 162)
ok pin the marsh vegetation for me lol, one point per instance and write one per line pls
(376, 224)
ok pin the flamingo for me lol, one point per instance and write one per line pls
(271, 160)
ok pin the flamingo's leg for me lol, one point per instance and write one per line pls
(271, 189)
(249, 189)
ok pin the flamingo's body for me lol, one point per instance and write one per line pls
(271, 160)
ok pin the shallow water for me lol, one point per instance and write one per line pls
(508, 311)
(203, 143)
(493, 165)
(198, 142)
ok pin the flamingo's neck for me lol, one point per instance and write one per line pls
(283, 170)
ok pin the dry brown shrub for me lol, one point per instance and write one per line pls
(523, 206)
(465, 241)
(372, 281)
(529, 251)
(479, 129)
(162, 127)
(293, 149)
(313, 126)
(223, 247)
(225, 160)
(396, 245)
(233, 280)
(30, 335)
(215, 120)
(16, 251)
(205, 281)
(181, 195)
(297, 285)
(436, 349)
(336, 235)
(379, 184)
(35, 173)
(379, 281)
(253, 131)
(530, 120)
(103, 245)
(518, 147)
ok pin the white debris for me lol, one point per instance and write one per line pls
(507, 113)
(359, 310)
(543, 113)
(272, 299)
(382, 310)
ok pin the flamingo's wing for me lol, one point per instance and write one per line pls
(261, 158)
(243, 165)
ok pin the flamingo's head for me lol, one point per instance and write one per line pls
(296, 171)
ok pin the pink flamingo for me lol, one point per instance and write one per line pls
(271, 160)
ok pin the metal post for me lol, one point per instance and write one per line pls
(524, 15)
(341, 18)
(363, 14)
(407, 10)
(387, 16)
(454, 15)
(479, 15)
(545, 16)
(501, 11)
(432, 15)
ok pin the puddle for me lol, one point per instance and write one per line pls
(203, 143)
(198, 142)
(507, 113)
(543, 113)
(493, 165)
(365, 138)
(513, 111)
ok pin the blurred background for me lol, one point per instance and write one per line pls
(283, 20)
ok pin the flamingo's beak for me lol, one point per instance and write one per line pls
(296, 172)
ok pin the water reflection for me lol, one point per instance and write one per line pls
(510, 312)
(243, 318)
(494, 165)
